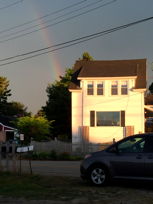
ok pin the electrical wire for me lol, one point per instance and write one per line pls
(69, 43)
(42, 17)
(58, 17)
(75, 41)
(50, 25)
(12, 4)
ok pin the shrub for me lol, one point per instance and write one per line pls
(64, 156)
(53, 155)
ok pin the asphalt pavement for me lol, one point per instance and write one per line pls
(57, 168)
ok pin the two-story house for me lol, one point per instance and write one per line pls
(107, 100)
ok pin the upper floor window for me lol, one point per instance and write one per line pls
(90, 88)
(124, 88)
(114, 88)
(100, 88)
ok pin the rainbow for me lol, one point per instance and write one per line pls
(53, 62)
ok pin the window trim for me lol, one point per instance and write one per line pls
(93, 118)
(90, 89)
(101, 83)
(122, 88)
(115, 88)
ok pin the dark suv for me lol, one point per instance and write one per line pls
(131, 157)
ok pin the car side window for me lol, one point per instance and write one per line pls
(131, 145)
(148, 146)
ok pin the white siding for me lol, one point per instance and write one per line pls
(76, 116)
(132, 104)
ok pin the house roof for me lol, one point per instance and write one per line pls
(111, 68)
(7, 121)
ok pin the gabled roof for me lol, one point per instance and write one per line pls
(112, 68)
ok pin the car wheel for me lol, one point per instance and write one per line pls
(98, 175)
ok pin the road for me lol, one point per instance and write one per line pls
(58, 168)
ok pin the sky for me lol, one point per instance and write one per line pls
(31, 25)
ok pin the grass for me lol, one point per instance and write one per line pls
(69, 188)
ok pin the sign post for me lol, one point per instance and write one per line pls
(21, 140)
(23, 149)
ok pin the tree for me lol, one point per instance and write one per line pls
(4, 94)
(86, 56)
(16, 109)
(37, 128)
(58, 106)
(151, 88)
(4, 91)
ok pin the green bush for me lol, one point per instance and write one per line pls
(64, 156)
(53, 155)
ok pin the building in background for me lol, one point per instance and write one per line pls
(107, 100)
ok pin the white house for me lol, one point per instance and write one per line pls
(107, 100)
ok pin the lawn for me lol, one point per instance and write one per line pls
(73, 190)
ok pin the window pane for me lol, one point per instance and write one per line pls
(114, 88)
(100, 88)
(132, 145)
(148, 146)
(90, 88)
(124, 86)
(108, 118)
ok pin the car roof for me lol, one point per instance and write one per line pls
(143, 134)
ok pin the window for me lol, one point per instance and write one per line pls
(92, 118)
(135, 144)
(124, 88)
(100, 90)
(148, 146)
(108, 118)
(90, 88)
(114, 88)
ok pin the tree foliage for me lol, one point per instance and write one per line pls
(4, 94)
(9, 108)
(16, 109)
(58, 106)
(151, 88)
(37, 128)
(4, 91)
(86, 56)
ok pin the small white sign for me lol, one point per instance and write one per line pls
(21, 137)
(25, 149)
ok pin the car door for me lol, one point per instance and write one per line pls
(128, 161)
(148, 152)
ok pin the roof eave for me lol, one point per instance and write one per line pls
(106, 78)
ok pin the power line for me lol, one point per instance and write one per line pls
(12, 4)
(51, 20)
(50, 25)
(71, 43)
(42, 17)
